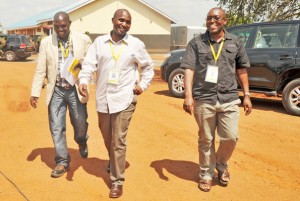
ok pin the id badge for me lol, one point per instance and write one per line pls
(113, 76)
(212, 74)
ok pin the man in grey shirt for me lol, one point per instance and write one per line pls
(211, 62)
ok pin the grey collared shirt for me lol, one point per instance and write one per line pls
(199, 54)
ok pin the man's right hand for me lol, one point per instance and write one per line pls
(34, 101)
(83, 90)
(188, 105)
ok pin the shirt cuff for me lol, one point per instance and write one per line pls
(83, 81)
(143, 86)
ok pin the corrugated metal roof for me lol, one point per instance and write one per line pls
(67, 9)
(44, 16)
(160, 12)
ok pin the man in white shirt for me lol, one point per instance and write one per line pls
(115, 58)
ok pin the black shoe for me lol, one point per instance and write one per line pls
(59, 171)
(83, 149)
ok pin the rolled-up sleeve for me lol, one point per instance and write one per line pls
(242, 60)
(190, 58)
(147, 66)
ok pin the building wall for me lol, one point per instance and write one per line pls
(155, 44)
(96, 18)
(148, 25)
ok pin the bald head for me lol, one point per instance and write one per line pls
(121, 24)
(120, 12)
(218, 10)
(215, 23)
(61, 15)
(62, 24)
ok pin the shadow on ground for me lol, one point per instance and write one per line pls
(93, 166)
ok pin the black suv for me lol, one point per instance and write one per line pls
(274, 53)
(17, 47)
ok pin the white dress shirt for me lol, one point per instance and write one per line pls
(124, 57)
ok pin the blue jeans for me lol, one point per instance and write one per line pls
(61, 100)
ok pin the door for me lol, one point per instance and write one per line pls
(272, 51)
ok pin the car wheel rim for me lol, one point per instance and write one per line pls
(177, 83)
(9, 56)
(294, 97)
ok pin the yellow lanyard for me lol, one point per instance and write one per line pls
(216, 57)
(64, 51)
(116, 57)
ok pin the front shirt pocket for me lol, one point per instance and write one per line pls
(205, 56)
(231, 52)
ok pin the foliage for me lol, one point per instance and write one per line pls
(248, 11)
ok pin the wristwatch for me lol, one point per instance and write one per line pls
(247, 94)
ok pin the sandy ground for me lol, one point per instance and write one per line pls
(162, 156)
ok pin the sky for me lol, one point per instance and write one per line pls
(185, 12)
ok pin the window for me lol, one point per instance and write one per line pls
(291, 36)
(242, 33)
(276, 36)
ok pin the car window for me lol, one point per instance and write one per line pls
(10, 39)
(275, 36)
(25, 39)
(291, 36)
(242, 33)
(18, 40)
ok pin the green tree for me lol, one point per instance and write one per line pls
(248, 11)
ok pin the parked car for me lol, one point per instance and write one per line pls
(17, 47)
(273, 49)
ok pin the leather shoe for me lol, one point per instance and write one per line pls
(116, 191)
(83, 149)
(59, 171)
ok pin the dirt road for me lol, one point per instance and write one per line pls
(162, 156)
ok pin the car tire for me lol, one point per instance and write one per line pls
(175, 83)
(291, 97)
(9, 56)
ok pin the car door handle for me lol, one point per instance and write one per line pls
(285, 57)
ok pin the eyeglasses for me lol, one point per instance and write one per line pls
(214, 19)
(60, 27)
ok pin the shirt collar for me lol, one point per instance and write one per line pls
(227, 36)
(108, 38)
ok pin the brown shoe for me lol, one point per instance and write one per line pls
(116, 191)
(59, 171)
(224, 177)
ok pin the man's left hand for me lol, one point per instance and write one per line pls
(247, 105)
